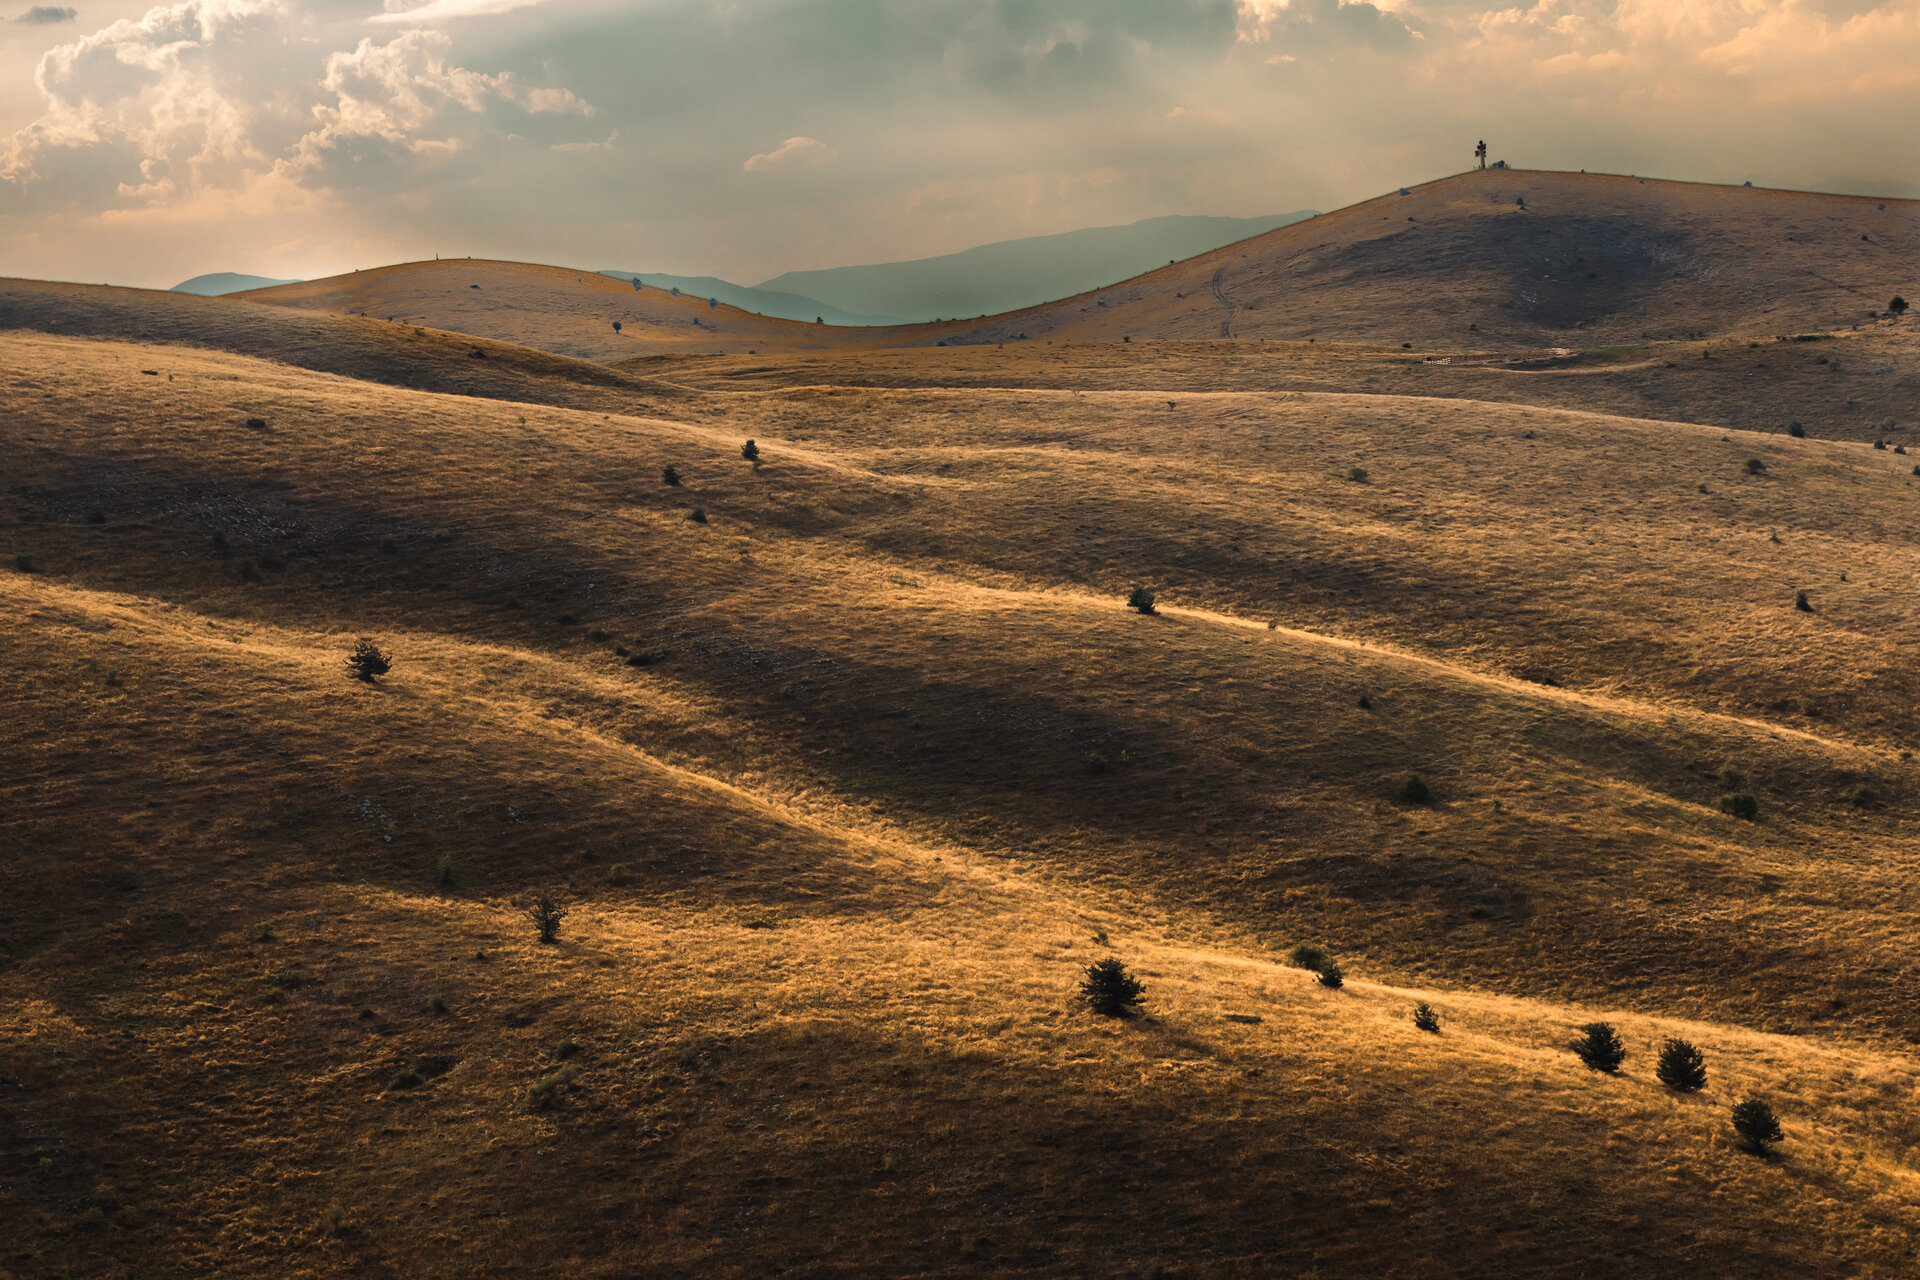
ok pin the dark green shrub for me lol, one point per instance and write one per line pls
(1599, 1047)
(1733, 775)
(670, 475)
(1330, 976)
(1682, 1068)
(546, 915)
(1880, 445)
(1755, 466)
(1797, 431)
(1426, 1018)
(540, 1093)
(750, 451)
(1741, 804)
(1801, 602)
(437, 1003)
(1308, 956)
(1140, 598)
(1865, 796)
(1110, 990)
(1415, 790)
(698, 515)
(1357, 474)
(406, 1078)
(1898, 307)
(1757, 1126)
(366, 661)
(258, 424)
(24, 563)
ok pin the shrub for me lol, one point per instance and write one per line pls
(1733, 775)
(406, 1078)
(670, 475)
(1741, 804)
(1755, 466)
(24, 563)
(1797, 431)
(257, 424)
(437, 1003)
(698, 515)
(616, 326)
(1109, 989)
(1865, 796)
(1681, 1068)
(1425, 1018)
(1757, 1126)
(1415, 790)
(1801, 602)
(750, 451)
(1898, 306)
(546, 915)
(1599, 1047)
(1330, 976)
(1308, 956)
(541, 1092)
(1357, 474)
(366, 661)
(1140, 598)
(1881, 445)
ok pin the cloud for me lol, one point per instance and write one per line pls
(398, 13)
(793, 154)
(42, 15)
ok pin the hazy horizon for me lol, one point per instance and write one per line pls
(145, 145)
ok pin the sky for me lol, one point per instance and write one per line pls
(143, 144)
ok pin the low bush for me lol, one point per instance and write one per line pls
(406, 1078)
(698, 515)
(541, 1092)
(1108, 989)
(750, 451)
(546, 915)
(1599, 1047)
(1682, 1068)
(1415, 790)
(1741, 804)
(437, 1003)
(366, 661)
(24, 563)
(1756, 1125)
(1330, 976)
(1141, 599)
(670, 475)
(1801, 602)
(1733, 775)
(1425, 1018)
(1357, 474)
(1755, 466)
(1797, 431)
(1865, 796)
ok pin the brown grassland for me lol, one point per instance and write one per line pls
(845, 783)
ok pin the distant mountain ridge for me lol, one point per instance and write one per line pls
(217, 283)
(1011, 274)
(766, 302)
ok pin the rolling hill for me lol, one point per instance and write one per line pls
(220, 283)
(786, 306)
(844, 783)
(1506, 259)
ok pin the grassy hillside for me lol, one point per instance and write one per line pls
(845, 784)
(1512, 258)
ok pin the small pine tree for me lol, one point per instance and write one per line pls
(670, 475)
(1330, 976)
(1801, 602)
(1757, 1126)
(546, 915)
(1681, 1068)
(1898, 306)
(366, 661)
(1140, 598)
(1110, 990)
(1425, 1018)
(1599, 1047)
(750, 451)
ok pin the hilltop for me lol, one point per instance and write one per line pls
(1505, 259)
(846, 780)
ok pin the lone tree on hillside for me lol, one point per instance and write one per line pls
(366, 661)
(750, 451)
(670, 475)
(1898, 307)
(1480, 153)
(1110, 990)
(1140, 598)
(1757, 1126)
(546, 915)
(616, 326)
(1599, 1047)
(1682, 1068)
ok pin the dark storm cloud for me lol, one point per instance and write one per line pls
(47, 14)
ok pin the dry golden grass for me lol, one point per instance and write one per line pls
(894, 766)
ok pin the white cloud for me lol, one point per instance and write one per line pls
(793, 154)
(399, 13)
